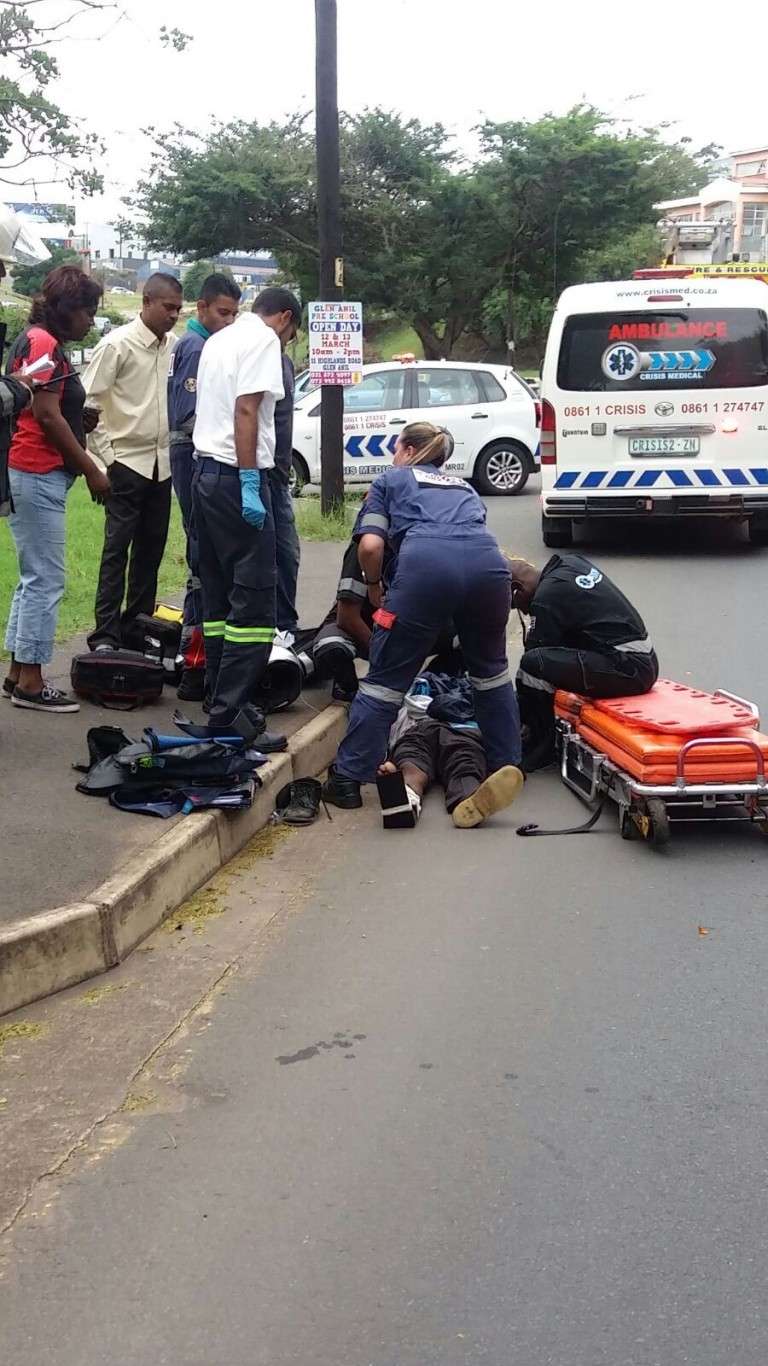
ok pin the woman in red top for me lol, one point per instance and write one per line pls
(46, 455)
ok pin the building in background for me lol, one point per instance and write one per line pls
(54, 223)
(253, 270)
(726, 221)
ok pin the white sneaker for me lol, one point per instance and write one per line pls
(285, 638)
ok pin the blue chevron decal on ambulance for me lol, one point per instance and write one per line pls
(692, 478)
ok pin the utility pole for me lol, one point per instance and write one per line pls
(329, 232)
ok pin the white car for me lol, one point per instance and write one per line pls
(491, 413)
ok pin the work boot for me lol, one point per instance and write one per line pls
(250, 724)
(299, 802)
(538, 752)
(496, 793)
(192, 685)
(341, 791)
(344, 690)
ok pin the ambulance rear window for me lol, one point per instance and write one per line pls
(675, 348)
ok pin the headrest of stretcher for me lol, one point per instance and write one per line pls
(670, 707)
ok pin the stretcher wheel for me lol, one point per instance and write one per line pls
(658, 819)
(628, 826)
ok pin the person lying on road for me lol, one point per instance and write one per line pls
(436, 739)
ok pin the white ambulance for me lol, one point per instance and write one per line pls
(655, 401)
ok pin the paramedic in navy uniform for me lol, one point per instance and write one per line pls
(240, 379)
(447, 565)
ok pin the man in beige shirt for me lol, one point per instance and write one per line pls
(127, 380)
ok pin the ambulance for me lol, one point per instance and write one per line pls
(655, 400)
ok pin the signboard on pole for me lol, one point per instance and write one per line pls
(335, 342)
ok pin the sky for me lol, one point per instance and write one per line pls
(438, 60)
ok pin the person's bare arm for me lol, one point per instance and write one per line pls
(247, 429)
(371, 556)
(349, 619)
(57, 431)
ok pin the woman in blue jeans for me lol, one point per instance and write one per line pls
(46, 455)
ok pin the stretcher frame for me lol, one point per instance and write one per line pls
(647, 809)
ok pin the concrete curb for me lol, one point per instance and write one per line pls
(59, 948)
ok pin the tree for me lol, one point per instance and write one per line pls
(197, 273)
(616, 258)
(467, 254)
(29, 279)
(35, 133)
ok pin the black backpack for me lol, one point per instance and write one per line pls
(120, 679)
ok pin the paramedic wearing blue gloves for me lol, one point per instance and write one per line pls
(217, 307)
(448, 565)
(240, 380)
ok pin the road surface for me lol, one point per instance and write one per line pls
(465, 1099)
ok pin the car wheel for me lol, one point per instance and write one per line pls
(298, 477)
(502, 468)
(556, 532)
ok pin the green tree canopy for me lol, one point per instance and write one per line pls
(197, 273)
(462, 252)
(29, 279)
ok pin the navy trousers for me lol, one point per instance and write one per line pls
(438, 579)
(287, 552)
(182, 465)
(237, 576)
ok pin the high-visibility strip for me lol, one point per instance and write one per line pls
(249, 636)
(380, 694)
(376, 520)
(488, 684)
(353, 586)
(233, 630)
(214, 628)
(344, 641)
(531, 682)
(636, 647)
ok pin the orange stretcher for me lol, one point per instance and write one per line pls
(673, 754)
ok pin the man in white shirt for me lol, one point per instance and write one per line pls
(127, 380)
(238, 384)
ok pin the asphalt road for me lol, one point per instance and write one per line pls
(475, 1100)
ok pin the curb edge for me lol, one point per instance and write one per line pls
(61, 947)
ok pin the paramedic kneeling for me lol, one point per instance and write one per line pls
(584, 636)
(448, 566)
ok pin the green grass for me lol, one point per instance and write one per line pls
(313, 526)
(85, 538)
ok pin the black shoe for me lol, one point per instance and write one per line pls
(269, 742)
(192, 686)
(538, 754)
(48, 699)
(8, 687)
(343, 692)
(339, 791)
(299, 802)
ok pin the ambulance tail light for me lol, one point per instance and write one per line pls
(548, 436)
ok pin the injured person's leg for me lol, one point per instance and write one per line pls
(400, 794)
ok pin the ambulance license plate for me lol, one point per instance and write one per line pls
(664, 445)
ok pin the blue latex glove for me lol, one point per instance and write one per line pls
(254, 511)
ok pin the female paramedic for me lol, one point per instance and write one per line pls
(447, 565)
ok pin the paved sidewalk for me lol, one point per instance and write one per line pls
(58, 845)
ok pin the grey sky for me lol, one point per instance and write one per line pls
(436, 59)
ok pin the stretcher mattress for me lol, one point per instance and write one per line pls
(658, 765)
(675, 709)
(650, 755)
